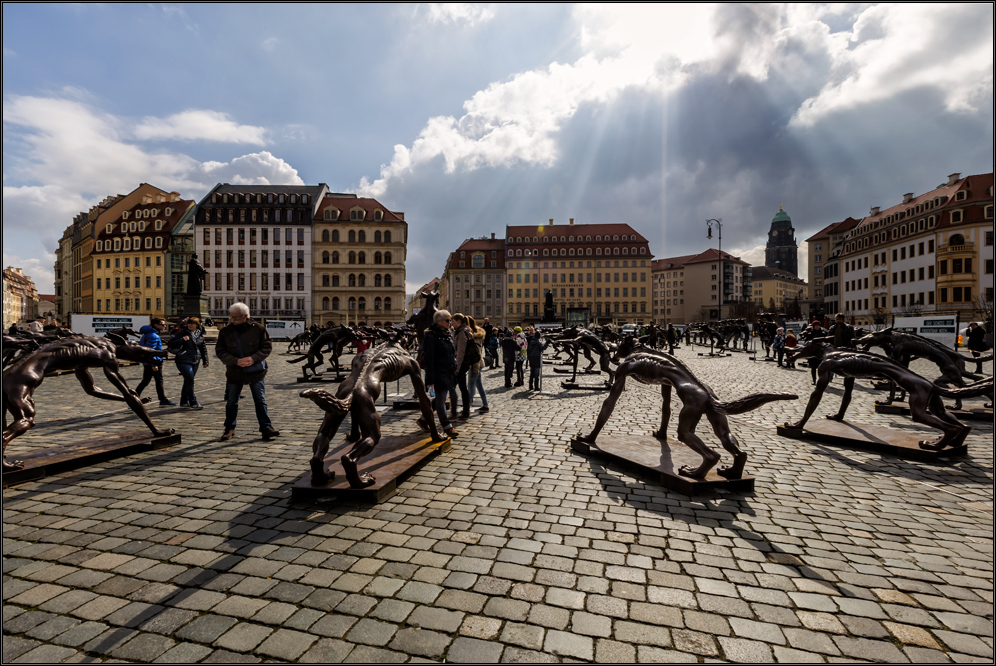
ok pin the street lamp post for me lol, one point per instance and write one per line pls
(718, 222)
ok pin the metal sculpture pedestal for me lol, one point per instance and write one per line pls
(317, 379)
(394, 460)
(45, 462)
(658, 461)
(878, 439)
(971, 414)
(568, 370)
(585, 387)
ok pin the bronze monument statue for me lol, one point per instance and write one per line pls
(80, 354)
(648, 366)
(925, 402)
(357, 396)
(195, 277)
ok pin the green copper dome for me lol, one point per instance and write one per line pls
(781, 216)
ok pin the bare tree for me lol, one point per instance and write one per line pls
(912, 309)
(984, 313)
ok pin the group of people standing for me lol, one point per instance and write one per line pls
(186, 343)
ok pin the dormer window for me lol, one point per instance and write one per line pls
(961, 195)
(378, 215)
(169, 211)
(269, 198)
(280, 199)
(356, 214)
(109, 229)
(224, 198)
(100, 245)
(148, 242)
(304, 198)
(159, 225)
(154, 212)
(124, 215)
(293, 198)
(159, 241)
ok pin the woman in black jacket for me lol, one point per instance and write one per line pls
(440, 365)
(189, 349)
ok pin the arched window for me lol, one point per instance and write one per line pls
(325, 257)
(352, 236)
(335, 279)
(325, 302)
(352, 256)
(387, 302)
(361, 303)
(361, 237)
(352, 302)
(362, 258)
(335, 302)
(377, 237)
(335, 257)
(335, 235)
(953, 239)
(387, 279)
(325, 235)
(378, 303)
(363, 280)
(478, 261)
(325, 279)
(387, 236)
(378, 257)
(352, 280)
(378, 281)
(387, 257)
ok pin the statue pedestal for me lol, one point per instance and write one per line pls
(878, 439)
(567, 384)
(195, 305)
(45, 462)
(392, 461)
(658, 461)
(318, 379)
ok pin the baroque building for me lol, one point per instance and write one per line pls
(474, 280)
(359, 262)
(255, 245)
(140, 258)
(692, 287)
(20, 298)
(600, 269)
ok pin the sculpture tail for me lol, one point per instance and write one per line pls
(298, 359)
(751, 402)
(984, 387)
(327, 401)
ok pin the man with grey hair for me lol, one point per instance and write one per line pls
(440, 367)
(243, 346)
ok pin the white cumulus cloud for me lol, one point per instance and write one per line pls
(200, 125)
(469, 13)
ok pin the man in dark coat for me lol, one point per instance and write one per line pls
(977, 343)
(510, 353)
(243, 346)
(841, 332)
(440, 366)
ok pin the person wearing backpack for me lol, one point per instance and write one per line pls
(152, 338)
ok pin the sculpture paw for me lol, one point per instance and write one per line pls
(928, 445)
(835, 417)
(730, 473)
(163, 433)
(12, 465)
(693, 472)
(146, 400)
(366, 480)
(321, 476)
(793, 426)
(659, 434)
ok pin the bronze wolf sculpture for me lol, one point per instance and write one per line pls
(658, 368)
(80, 354)
(357, 396)
(923, 395)
(337, 338)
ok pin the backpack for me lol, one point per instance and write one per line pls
(471, 354)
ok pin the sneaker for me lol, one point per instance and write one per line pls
(450, 432)
(270, 433)
(185, 404)
(195, 405)
(228, 435)
(167, 403)
(483, 410)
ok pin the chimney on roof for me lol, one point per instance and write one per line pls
(572, 221)
(908, 197)
(953, 178)
(874, 210)
(492, 235)
(551, 220)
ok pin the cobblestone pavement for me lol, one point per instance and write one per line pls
(506, 548)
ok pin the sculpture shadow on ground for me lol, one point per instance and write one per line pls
(953, 472)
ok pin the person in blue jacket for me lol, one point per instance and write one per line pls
(151, 337)
(189, 349)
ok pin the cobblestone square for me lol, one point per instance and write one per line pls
(508, 547)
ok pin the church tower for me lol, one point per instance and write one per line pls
(782, 251)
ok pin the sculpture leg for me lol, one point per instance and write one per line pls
(665, 411)
(845, 400)
(320, 448)
(366, 414)
(721, 426)
(954, 430)
(687, 420)
(605, 412)
(606, 368)
(22, 409)
(591, 361)
(814, 400)
(133, 401)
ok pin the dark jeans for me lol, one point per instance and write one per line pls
(780, 353)
(187, 370)
(464, 391)
(233, 391)
(439, 404)
(509, 366)
(148, 374)
(535, 376)
(519, 372)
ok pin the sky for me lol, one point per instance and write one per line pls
(471, 117)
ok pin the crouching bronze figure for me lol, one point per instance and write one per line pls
(648, 366)
(80, 354)
(357, 396)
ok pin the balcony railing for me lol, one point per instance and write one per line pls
(951, 249)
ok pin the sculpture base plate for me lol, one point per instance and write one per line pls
(567, 371)
(714, 354)
(585, 387)
(318, 379)
(972, 414)
(879, 439)
(658, 461)
(405, 401)
(393, 460)
(45, 462)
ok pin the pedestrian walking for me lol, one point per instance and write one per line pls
(778, 344)
(440, 367)
(466, 355)
(977, 344)
(475, 371)
(790, 344)
(152, 338)
(509, 352)
(243, 346)
(534, 352)
(520, 359)
(189, 350)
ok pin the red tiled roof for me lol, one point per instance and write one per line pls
(345, 204)
(978, 184)
(676, 262)
(714, 255)
(767, 273)
(558, 230)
